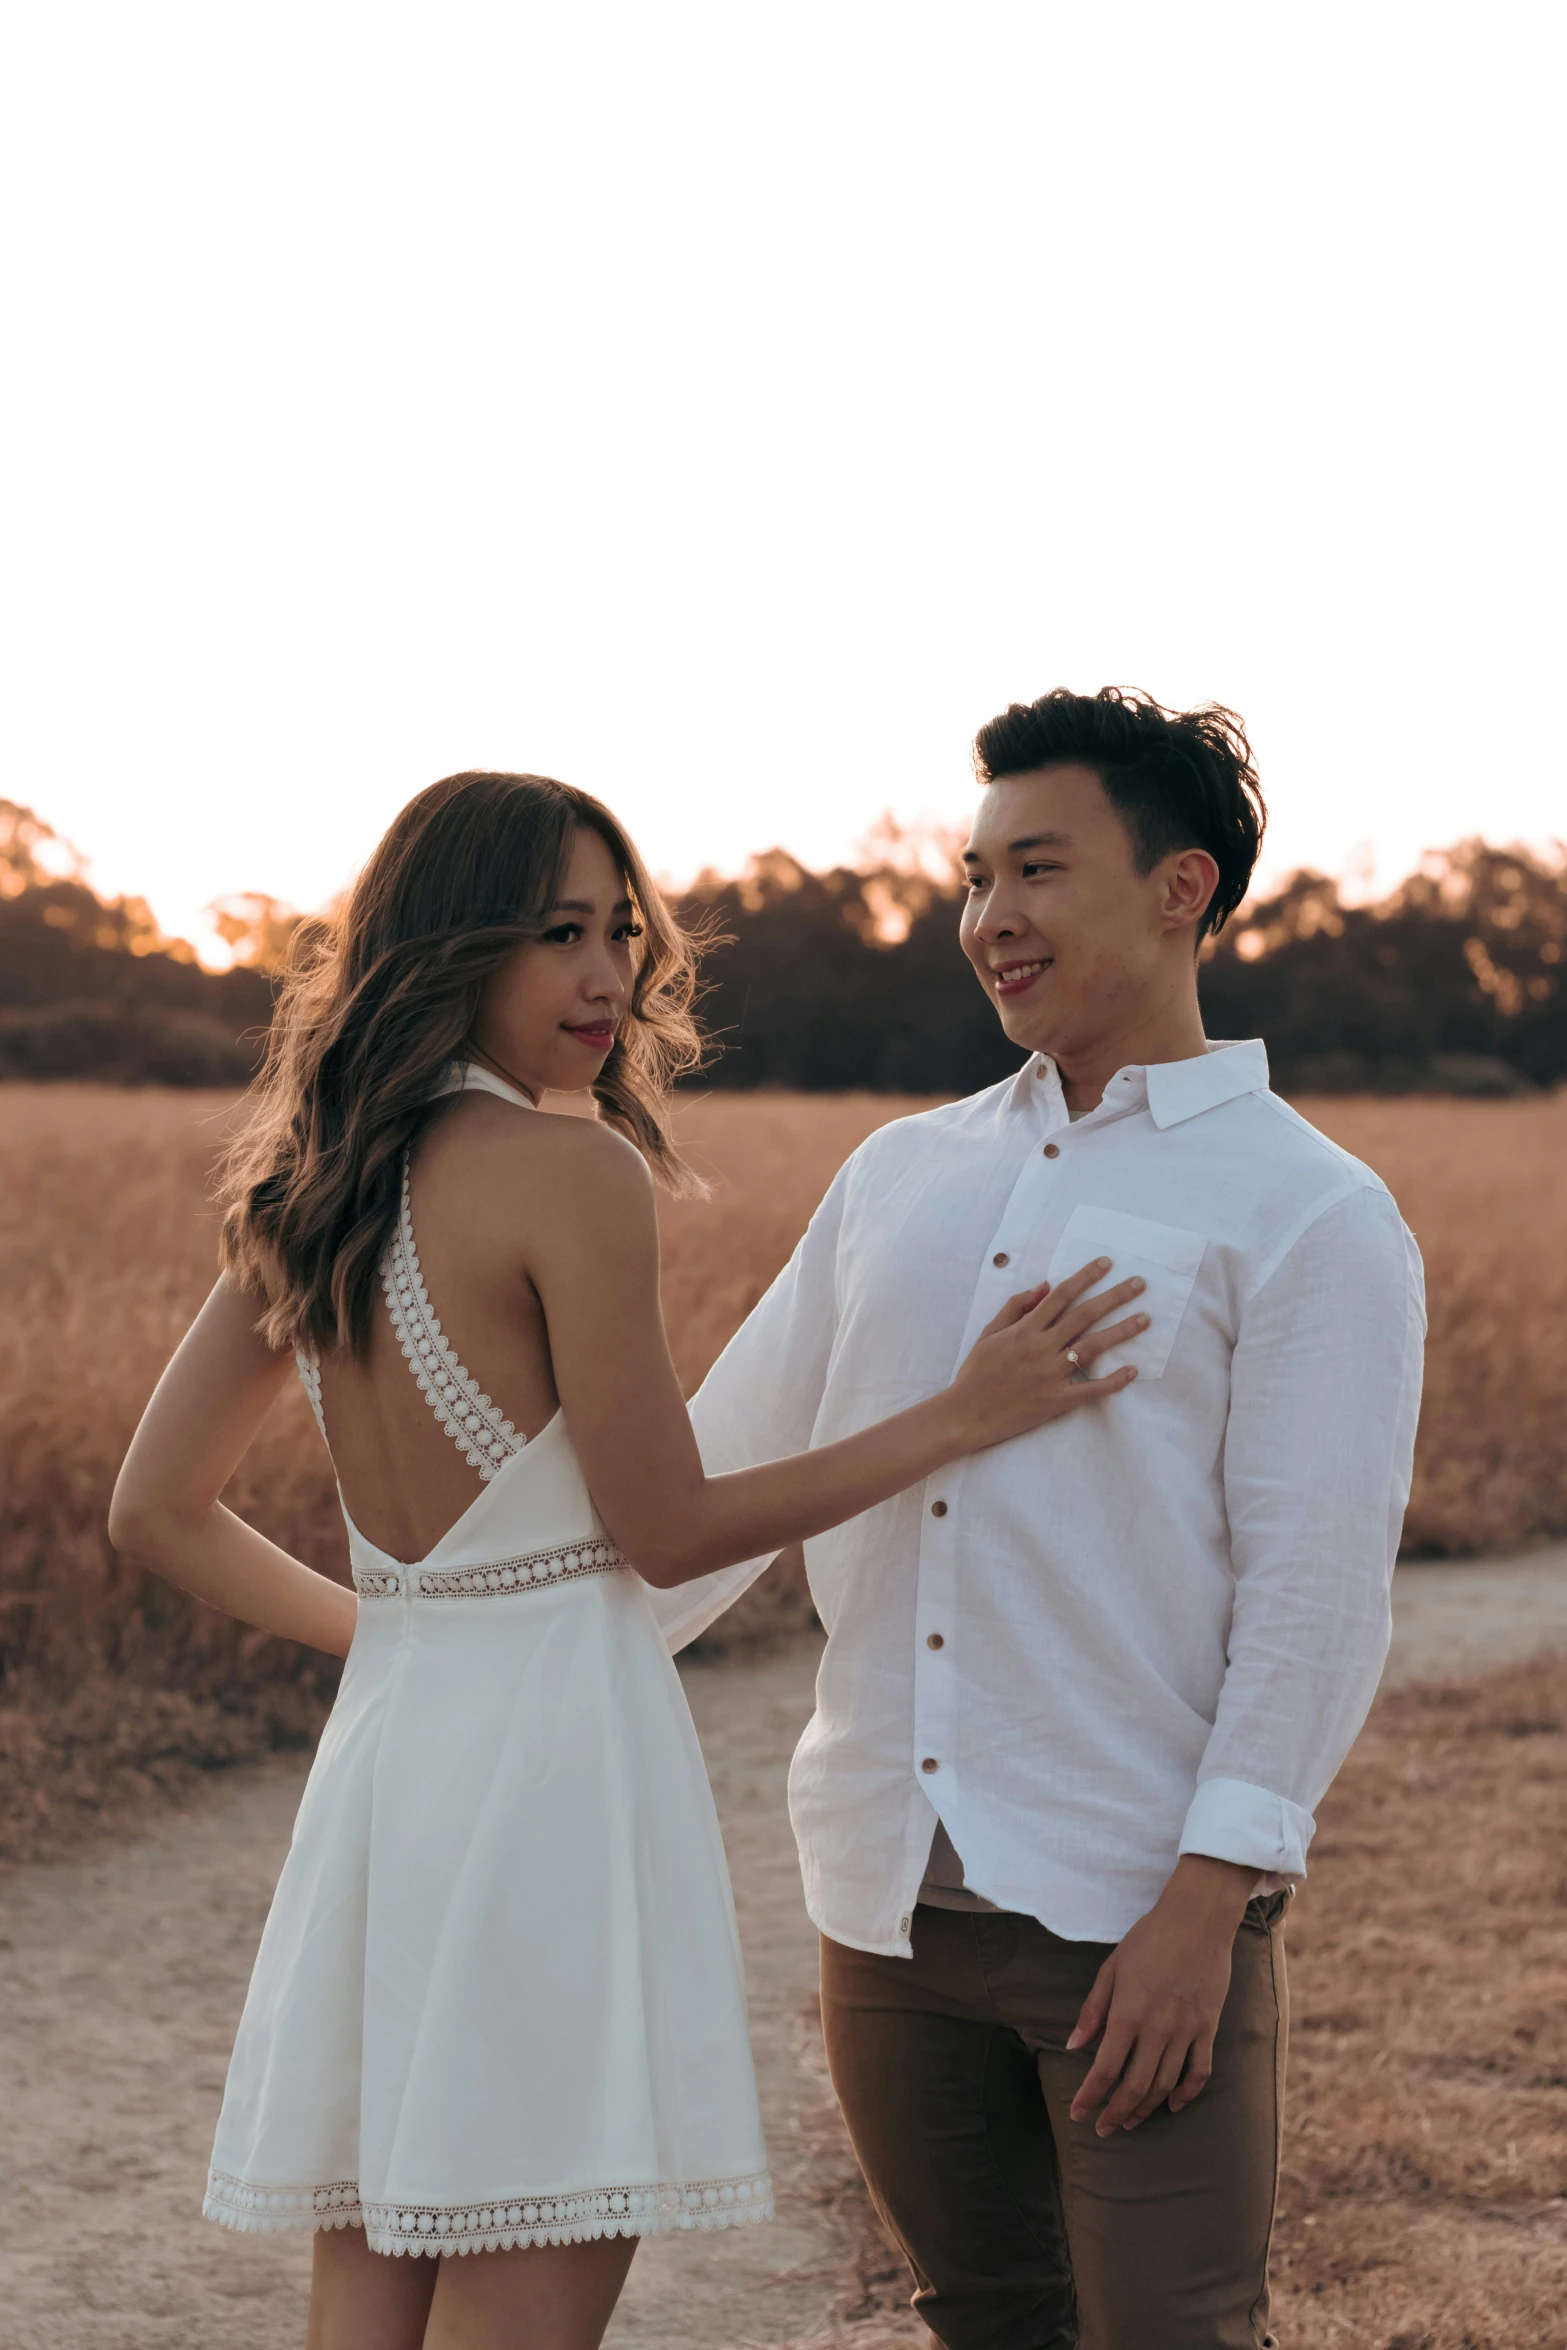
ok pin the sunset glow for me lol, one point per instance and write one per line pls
(729, 409)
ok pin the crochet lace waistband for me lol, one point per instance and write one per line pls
(534, 1570)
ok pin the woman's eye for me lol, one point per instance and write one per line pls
(629, 930)
(564, 934)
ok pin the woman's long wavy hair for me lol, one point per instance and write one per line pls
(379, 1000)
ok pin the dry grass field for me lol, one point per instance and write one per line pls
(106, 1247)
(1424, 2203)
(1424, 2198)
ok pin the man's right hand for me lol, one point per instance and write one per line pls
(1156, 2002)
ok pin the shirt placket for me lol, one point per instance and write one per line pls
(935, 1649)
(937, 1624)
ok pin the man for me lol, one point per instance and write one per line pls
(1082, 1693)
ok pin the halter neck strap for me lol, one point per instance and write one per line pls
(471, 1077)
(476, 1426)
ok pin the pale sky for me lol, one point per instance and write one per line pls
(728, 407)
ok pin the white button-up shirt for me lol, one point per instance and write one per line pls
(1149, 1628)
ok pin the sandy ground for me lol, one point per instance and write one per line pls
(122, 1973)
(1468, 1616)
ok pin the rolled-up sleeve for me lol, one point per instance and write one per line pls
(760, 1400)
(1325, 1393)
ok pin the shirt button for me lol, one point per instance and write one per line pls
(938, 1509)
(1052, 1150)
(934, 1640)
(930, 1763)
(904, 1924)
(1001, 1257)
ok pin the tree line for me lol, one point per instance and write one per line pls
(852, 978)
(1452, 983)
(89, 988)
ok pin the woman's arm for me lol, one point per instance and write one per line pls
(166, 1516)
(592, 1254)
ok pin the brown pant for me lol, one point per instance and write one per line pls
(1024, 2230)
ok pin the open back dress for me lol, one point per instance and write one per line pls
(498, 2000)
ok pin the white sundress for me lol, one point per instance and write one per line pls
(498, 2000)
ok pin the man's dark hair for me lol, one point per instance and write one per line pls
(1178, 779)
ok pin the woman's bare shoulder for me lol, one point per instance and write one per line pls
(506, 1167)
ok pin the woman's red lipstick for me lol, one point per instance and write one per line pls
(598, 1035)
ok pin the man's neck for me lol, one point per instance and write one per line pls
(1173, 1032)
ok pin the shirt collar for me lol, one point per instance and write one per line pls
(1173, 1090)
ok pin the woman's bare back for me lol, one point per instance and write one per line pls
(404, 1482)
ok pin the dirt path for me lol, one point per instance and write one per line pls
(1466, 1616)
(121, 1975)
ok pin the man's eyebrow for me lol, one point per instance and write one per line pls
(1032, 840)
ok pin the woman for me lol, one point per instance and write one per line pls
(497, 2007)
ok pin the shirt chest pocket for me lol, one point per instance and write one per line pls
(1165, 1255)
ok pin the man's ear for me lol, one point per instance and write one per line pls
(1190, 880)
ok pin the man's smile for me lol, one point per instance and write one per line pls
(1014, 978)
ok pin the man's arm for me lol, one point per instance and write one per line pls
(760, 1399)
(1325, 1392)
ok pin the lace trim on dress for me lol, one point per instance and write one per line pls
(379, 1582)
(536, 1570)
(309, 1363)
(476, 1425)
(501, 2226)
(257, 2211)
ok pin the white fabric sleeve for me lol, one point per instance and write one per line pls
(760, 1400)
(1324, 1396)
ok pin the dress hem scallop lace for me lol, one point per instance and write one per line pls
(502, 2225)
